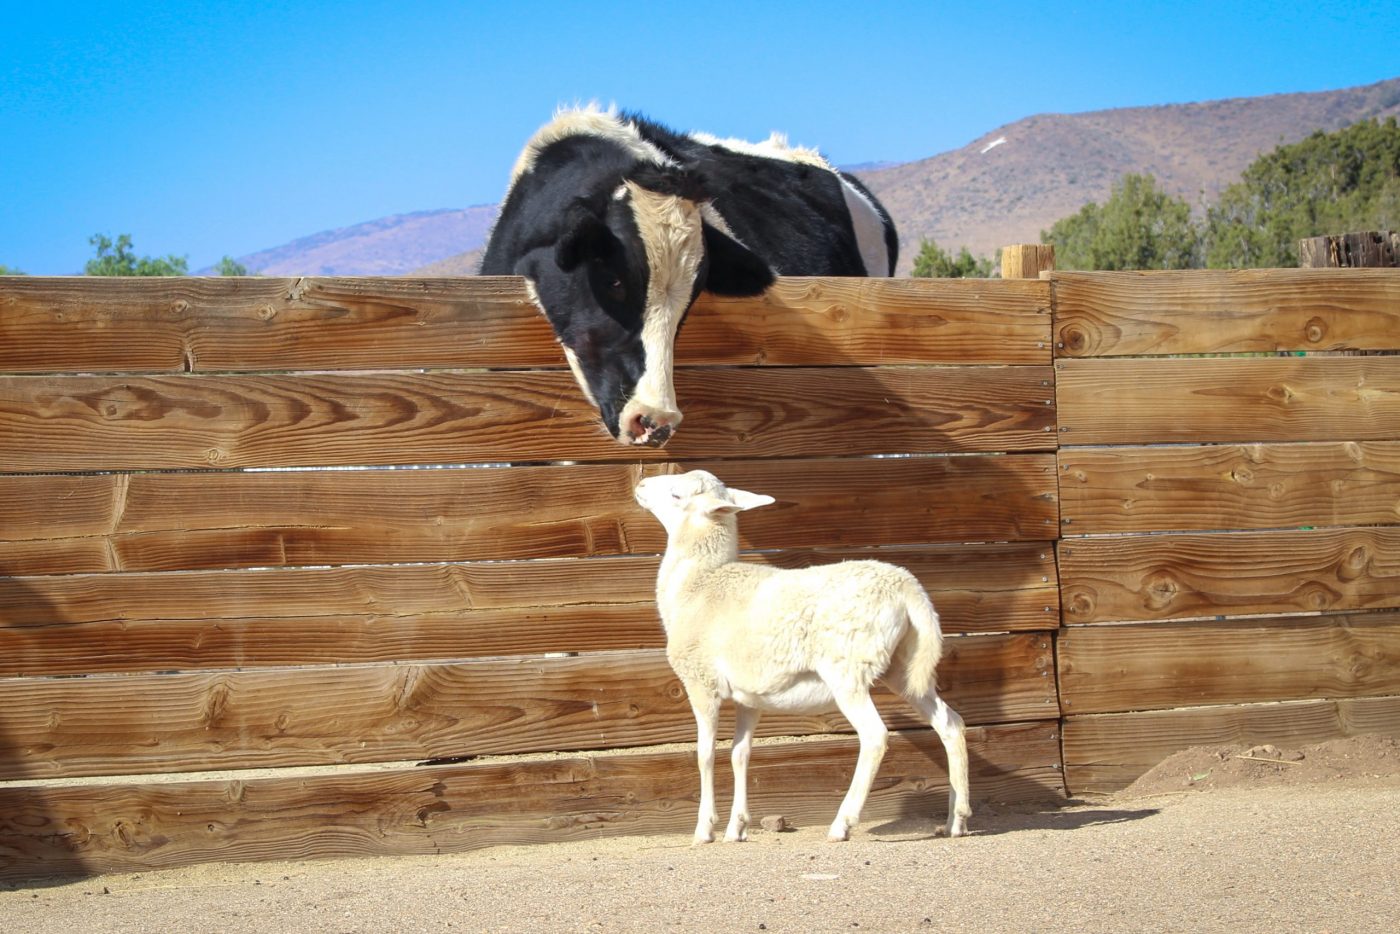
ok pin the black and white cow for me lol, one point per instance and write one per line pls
(618, 223)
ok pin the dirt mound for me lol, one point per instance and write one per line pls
(1361, 759)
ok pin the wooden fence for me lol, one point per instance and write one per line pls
(228, 630)
(1230, 553)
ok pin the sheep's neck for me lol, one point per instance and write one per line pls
(692, 549)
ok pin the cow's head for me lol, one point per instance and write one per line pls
(627, 264)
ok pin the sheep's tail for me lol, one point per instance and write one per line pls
(928, 641)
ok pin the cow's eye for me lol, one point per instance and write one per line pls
(607, 283)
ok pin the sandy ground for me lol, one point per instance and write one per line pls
(1212, 840)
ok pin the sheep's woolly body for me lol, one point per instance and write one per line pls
(851, 634)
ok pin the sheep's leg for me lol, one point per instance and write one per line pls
(746, 718)
(874, 737)
(949, 726)
(706, 723)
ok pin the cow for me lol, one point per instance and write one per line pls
(617, 224)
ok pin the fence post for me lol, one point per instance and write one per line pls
(1369, 248)
(1027, 260)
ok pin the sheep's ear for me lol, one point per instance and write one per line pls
(743, 500)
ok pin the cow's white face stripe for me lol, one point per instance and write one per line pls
(670, 229)
(870, 230)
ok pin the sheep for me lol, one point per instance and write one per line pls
(798, 641)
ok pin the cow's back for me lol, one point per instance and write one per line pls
(787, 204)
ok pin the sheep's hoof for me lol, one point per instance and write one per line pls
(839, 833)
(957, 828)
(702, 838)
(736, 837)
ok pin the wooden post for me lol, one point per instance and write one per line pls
(1027, 260)
(1371, 248)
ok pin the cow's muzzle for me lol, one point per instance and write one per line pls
(649, 427)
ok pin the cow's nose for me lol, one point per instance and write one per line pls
(651, 428)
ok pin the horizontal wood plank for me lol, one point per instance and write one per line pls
(129, 724)
(95, 623)
(805, 321)
(1110, 669)
(97, 324)
(1226, 311)
(1165, 400)
(129, 827)
(1106, 752)
(80, 423)
(149, 522)
(1152, 577)
(1255, 486)
(249, 324)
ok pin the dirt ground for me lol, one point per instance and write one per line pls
(1236, 839)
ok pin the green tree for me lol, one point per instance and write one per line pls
(1326, 184)
(9, 271)
(1138, 227)
(933, 262)
(228, 266)
(118, 260)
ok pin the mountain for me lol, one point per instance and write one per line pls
(389, 246)
(1010, 184)
(1004, 187)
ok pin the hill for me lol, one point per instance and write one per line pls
(1003, 187)
(1011, 183)
(388, 246)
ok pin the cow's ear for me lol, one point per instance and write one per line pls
(585, 237)
(671, 180)
(734, 268)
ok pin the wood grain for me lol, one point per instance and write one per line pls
(81, 324)
(1111, 669)
(1255, 486)
(96, 623)
(75, 423)
(1152, 577)
(150, 522)
(130, 827)
(130, 724)
(1219, 311)
(1157, 401)
(1106, 752)
(805, 321)
(98, 324)
(1027, 260)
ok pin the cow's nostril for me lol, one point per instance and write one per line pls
(647, 429)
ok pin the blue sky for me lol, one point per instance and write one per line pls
(209, 129)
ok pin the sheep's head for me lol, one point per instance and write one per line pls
(674, 498)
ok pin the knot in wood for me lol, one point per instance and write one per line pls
(1161, 589)
(1354, 565)
(1076, 338)
(1081, 602)
(1315, 330)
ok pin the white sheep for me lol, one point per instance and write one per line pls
(798, 641)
